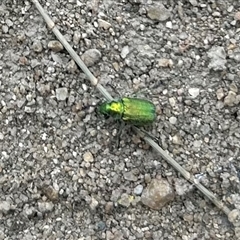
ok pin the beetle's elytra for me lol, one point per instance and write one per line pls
(135, 111)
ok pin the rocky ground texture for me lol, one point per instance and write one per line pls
(62, 175)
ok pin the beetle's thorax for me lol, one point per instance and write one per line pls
(116, 107)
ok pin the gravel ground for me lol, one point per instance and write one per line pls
(62, 175)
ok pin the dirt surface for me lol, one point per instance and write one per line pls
(62, 175)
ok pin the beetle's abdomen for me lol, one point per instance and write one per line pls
(138, 111)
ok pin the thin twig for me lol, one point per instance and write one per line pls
(155, 146)
(185, 174)
(72, 53)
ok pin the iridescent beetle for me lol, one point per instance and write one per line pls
(136, 111)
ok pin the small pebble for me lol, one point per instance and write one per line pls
(45, 206)
(101, 226)
(1, 136)
(220, 93)
(194, 92)
(109, 207)
(50, 192)
(55, 46)
(237, 16)
(104, 24)
(217, 57)
(88, 157)
(125, 200)
(94, 203)
(91, 57)
(164, 62)
(157, 11)
(138, 189)
(9, 23)
(5, 207)
(72, 66)
(233, 87)
(129, 176)
(169, 24)
(197, 144)
(125, 51)
(173, 120)
(172, 101)
(5, 29)
(229, 100)
(193, 2)
(157, 194)
(37, 47)
(61, 93)
(176, 140)
(76, 37)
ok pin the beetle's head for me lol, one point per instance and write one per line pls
(103, 108)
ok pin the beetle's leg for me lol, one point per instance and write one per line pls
(120, 131)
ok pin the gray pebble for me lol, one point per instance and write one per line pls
(157, 11)
(194, 92)
(37, 46)
(76, 37)
(169, 24)
(130, 176)
(173, 120)
(45, 206)
(164, 62)
(88, 157)
(125, 200)
(237, 16)
(5, 207)
(29, 109)
(217, 57)
(220, 93)
(172, 101)
(236, 57)
(138, 189)
(51, 192)
(177, 140)
(1, 136)
(125, 51)
(104, 24)
(233, 87)
(56, 57)
(229, 100)
(157, 194)
(91, 57)
(193, 2)
(5, 29)
(72, 66)
(205, 129)
(9, 23)
(183, 35)
(109, 207)
(197, 143)
(94, 203)
(101, 226)
(91, 174)
(55, 46)
(61, 93)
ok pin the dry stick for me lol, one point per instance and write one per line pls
(72, 53)
(104, 92)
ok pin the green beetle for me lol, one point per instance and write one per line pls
(136, 111)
